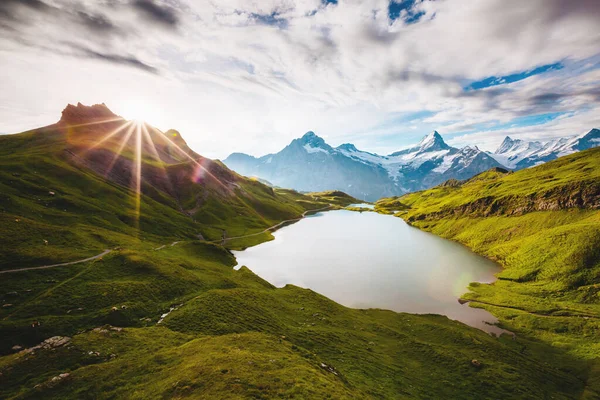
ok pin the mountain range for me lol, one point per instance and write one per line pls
(310, 164)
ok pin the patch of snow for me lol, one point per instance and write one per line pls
(309, 149)
(446, 164)
(269, 160)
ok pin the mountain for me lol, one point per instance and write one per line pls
(120, 180)
(519, 154)
(161, 313)
(310, 164)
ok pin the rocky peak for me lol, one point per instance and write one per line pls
(80, 114)
(432, 142)
(314, 141)
(348, 147)
(506, 145)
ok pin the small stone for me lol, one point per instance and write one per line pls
(16, 347)
(476, 363)
(51, 193)
(7, 305)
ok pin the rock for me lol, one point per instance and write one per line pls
(476, 363)
(114, 309)
(123, 307)
(51, 193)
(16, 347)
(56, 341)
(13, 293)
(7, 305)
(45, 242)
(50, 343)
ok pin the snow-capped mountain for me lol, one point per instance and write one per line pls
(310, 164)
(519, 154)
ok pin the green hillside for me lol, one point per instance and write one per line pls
(68, 193)
(543, 226)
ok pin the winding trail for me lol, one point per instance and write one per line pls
(222, 241)
(105, 252)
(271, 228)
(537, 314)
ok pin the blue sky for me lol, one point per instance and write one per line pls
(251, 76)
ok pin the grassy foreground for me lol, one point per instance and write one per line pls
(543, 226)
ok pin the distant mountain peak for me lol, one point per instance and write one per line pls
(311, 140)
(348, 147)
(432, 142)
(83, 114)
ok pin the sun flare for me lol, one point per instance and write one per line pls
(137, 110)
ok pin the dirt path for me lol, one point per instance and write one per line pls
(587, 316)
(271, 228)
(105, 252)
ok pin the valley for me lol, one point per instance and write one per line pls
(166, 313)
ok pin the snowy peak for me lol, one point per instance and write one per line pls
(432, 142)
(590, 139)
(348, 147)
(313, 143)
(507, 145)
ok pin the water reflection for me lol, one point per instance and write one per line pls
(369, 260)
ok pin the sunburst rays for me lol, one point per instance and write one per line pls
(142, 139)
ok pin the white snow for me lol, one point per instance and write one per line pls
(269, 160)
(311, 150)
(446, 164)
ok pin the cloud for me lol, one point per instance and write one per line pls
(164, 15)
(276, 68)
(129, 61)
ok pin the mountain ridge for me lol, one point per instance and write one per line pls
(369, 176)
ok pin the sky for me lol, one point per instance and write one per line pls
(250, 76)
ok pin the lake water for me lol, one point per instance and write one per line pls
(369, 260)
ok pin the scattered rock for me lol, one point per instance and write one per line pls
(7, 305)
(329, 368)
(50, 343)
(16, 347)
(123, 307)
(45, 242)
(114, 309)
(51, 193)
(476, 363)
(13, 293)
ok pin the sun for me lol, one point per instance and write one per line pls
(138, 110)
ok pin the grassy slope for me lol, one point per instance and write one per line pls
(542, 225)
(88, 213)
(232, 334)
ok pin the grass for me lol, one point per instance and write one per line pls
(543, 226)
(230, 333)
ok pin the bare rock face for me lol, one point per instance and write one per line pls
(80, 114)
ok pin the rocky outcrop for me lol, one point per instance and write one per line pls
(582, 195)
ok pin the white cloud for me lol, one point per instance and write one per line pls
(230, 81)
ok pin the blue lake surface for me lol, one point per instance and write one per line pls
(370, 260)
